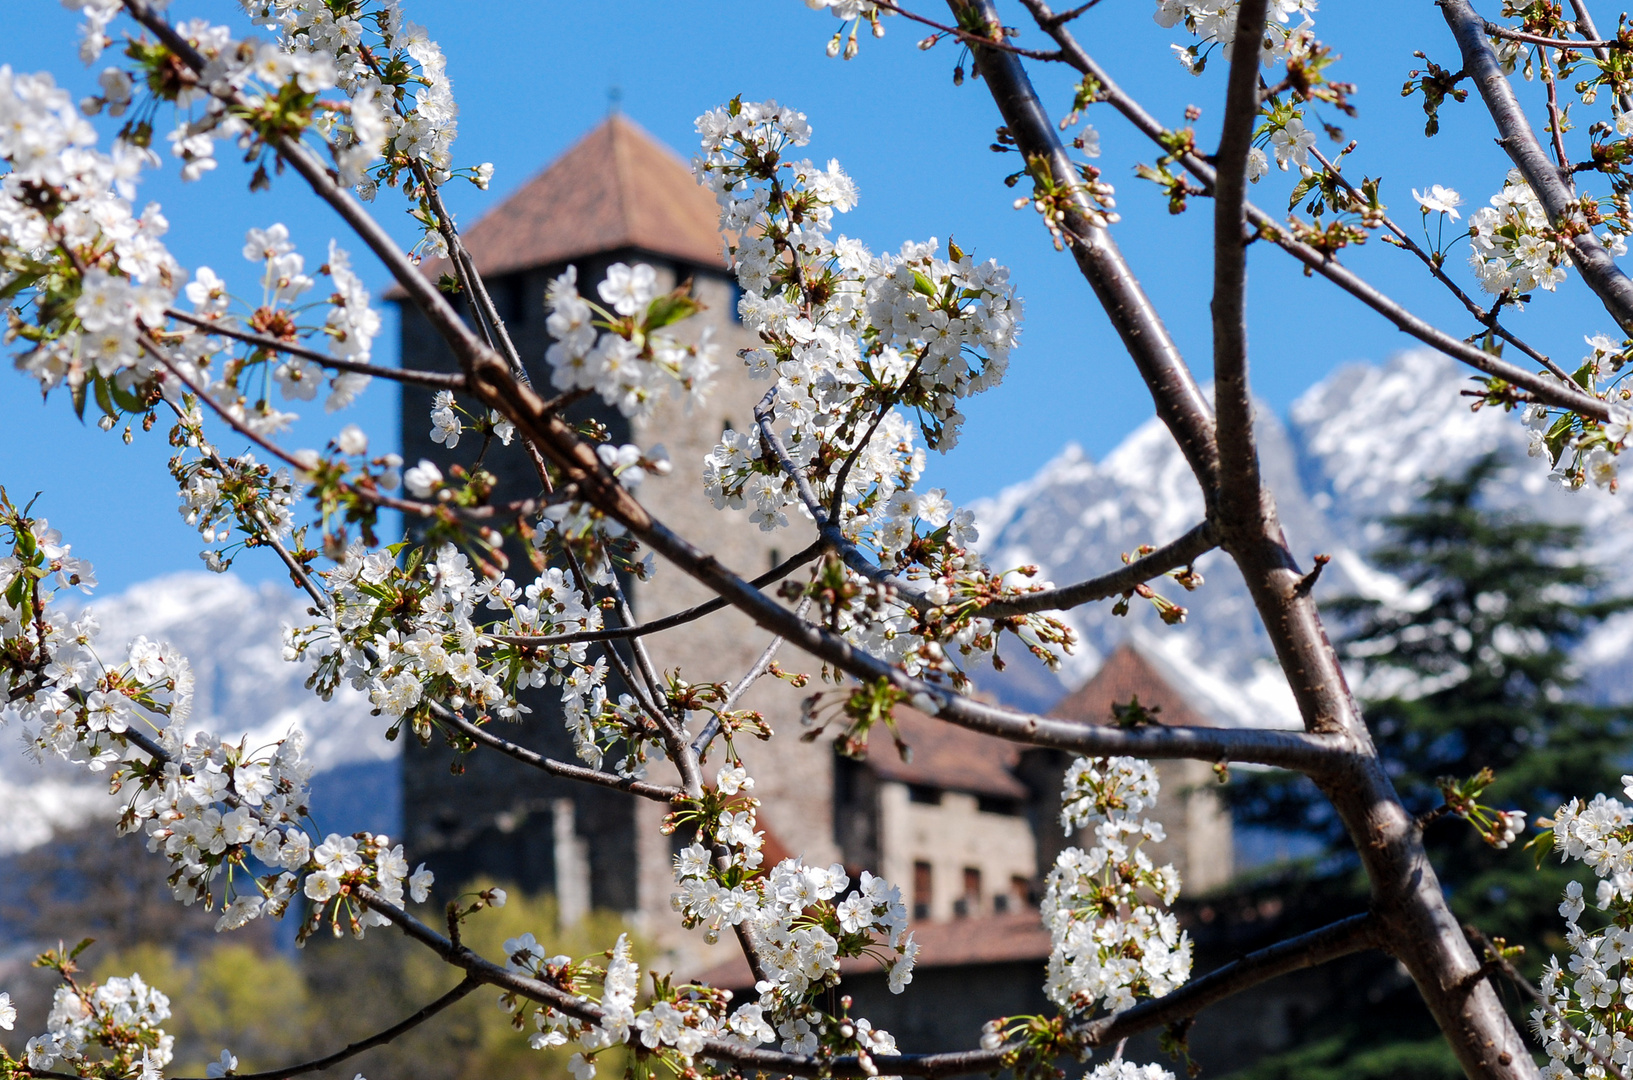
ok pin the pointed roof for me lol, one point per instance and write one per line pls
(616, 188)
(1127, 673)
(947, 756)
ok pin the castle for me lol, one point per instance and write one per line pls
(966, 827)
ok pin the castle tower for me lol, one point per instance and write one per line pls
(615, 196)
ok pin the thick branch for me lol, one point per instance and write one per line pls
(1171, 556)
(1552, 189)
(1346, 936)
(1239, 488)
(1407, 899)
(1180, 402)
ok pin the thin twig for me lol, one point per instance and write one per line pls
(700, 745)
(1179, 552)
(968, 38)
(457, 994)
(441, 380)
(1498, 30)
(1486, 318)
(655, 792)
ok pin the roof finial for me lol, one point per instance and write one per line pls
(615, 97)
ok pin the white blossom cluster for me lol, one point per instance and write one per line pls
(122, 1015)
(413, 120)
(1590, 992)
(206, 805)
(805, 919)
(408, 637)
(1214, 23)
(1119, 1069)
(1111, 942)
(240, 390)
(630, 365)
(96, 279)
(1582, 450)
(61, 193)
(681, 1024)
(218, 493)
(851, 340)
(1511, 245)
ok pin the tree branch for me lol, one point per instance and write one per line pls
(1553, 190)
(1563, 395)
(1354, 934)
(828, 529)
(668, 622)
(655, 792)
(1584, 24)
(1407, 899)
(1180, 402)
(1182, 551)
(458, 993)
(1498, 30)
(438, 379)
(1240, 494)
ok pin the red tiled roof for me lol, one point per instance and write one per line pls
(616, 188)
(947, 756)
(1125, 674)
(989, 939)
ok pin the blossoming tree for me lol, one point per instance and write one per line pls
(865, 355)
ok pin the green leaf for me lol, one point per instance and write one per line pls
(81, 947)
(921, 284)
(126, 400)
(1301, 189)
(671, 308)
(104, 400)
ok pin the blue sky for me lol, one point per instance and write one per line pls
(532, 76)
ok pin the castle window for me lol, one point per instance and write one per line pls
(970, 904)
(924, 793)
(922, 877)
(994, 804)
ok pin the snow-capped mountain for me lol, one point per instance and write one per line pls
(231, 633)
(1360, 445)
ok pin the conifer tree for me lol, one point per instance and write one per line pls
(1472, 670)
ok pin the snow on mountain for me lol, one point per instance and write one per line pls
(1362, 444)
(231, 633)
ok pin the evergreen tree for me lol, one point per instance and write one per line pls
(1472, 670)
